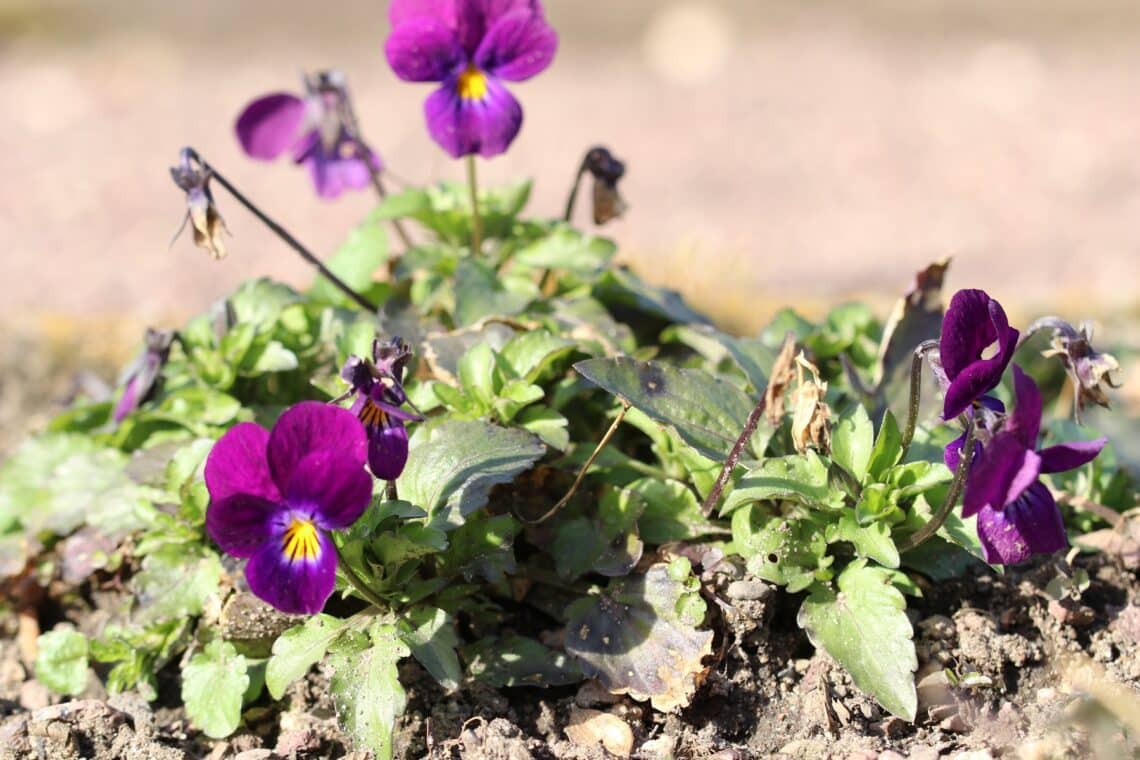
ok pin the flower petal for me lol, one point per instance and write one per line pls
(242, 523)
(402, 11)
(298, 587)
(129, 401)
(388, 450)
(1031, 525)
(952, 454)
(308, 427)
(1025, 419)
(238, 464)
(966, 330)
(334, 490)
(1006, 470)
(424, 49)
(518, 46)
(270, 125)
(463, 127)
(1069, 456)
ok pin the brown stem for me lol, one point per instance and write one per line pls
(935, 522)
(915, 393)
(735, 454)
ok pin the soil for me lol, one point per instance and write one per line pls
(1034, 679)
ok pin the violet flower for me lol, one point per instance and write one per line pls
(470, 47)
(143, 378)
(317, 128)
(275, 495)
(201, 212)
(1017, 516)
(379, 390)
(973, 323)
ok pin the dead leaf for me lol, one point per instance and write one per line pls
(783, 372)
(589, 727)
(916, 317)
(811, 416)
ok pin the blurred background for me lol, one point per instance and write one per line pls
(778, 152)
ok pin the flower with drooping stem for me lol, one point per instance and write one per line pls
(973, 324)
(1087, 368)
(274, 497)
(1017, 515)
(379, 395)
(606, 170)
(144, 377)
(202, 214)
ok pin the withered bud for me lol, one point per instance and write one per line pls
(781, 376)
(1087, 367)
(811, 416)
(606, 171)
(207, 223)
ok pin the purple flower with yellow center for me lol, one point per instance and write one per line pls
(318, 129)
(379, 391)
(973, 324)
(274, 496)
(1017, 515)
(470, 47)
(144, 377)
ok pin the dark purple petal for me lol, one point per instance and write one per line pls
(518, 46)
(424, 49)
(462, 127)
(1006, 470)
(242, 523)
(332, 489)
(238, 464)
(1069, 456)
(270, 125)
(1024, 421)
(969, 385)
(1030, 525)
(308, 427)
(966, 330)
(952, 454)
(298, 587)
(388, 450)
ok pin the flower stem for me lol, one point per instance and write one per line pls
(734, 455)
(915, 393)
(570, 200)
(357, 582)
(282, 233)
(476, 219)
(1046, 323)
(935, 522)
(382, 193)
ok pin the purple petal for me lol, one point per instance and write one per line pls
(1025, 419)
(332, 489)
(270, 125)
(424, 49)
(463, 127)
(1069, 456)
(1031, 525)
(966, 330)
(129, 401)
(238, 464)
(388, 450)
(1006, 470)
(402, 11)
(298, 587)
(952, 454)
(337, 170)
(242, 523)
(308, 427)
(969, 385)
(518, 46)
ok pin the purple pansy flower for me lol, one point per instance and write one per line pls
(275, 495)
(470, 47)
(144, 377)
(1017, 516)
(318, 129)
(972, 324)
(379, 390)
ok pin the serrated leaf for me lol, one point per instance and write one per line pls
(213, 684)
(366, 690)
(547, 424)
(865, 629)
(430, 633)
(672, 511)
(61, 661)
(708, 413)
(258, 303)
(913, 478)
(852, 439)
(531, 353)
(298, 649)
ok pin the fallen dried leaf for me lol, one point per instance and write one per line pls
(589, 727)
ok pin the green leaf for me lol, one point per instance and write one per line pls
(672, 512)
(753, 357)
(547, 424)
(274, 358)
(410, 202)
(784, 551)
(708, 413)
(519, 661)
(430, 633)
(366, 689)
(852, 441)
(453, 466)
(864, 627)
(566, 248)
(61, 661)
(531, 354)
(872, 541)
(355, 263)
(482, 546)
(259, 302)
(213, 683)
(480, 293)
(799, 477)
(913, 478)
(175, 582)
(888, 447)
(622, 288)
(298, 649)
(476, 370)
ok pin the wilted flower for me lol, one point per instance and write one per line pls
(318, 128)
(143, 378)
(973, 323)
(471, 47)
(201, 212)
(606, 171)
(275, 495)
(379, 391)
(1017, 516)
(1087, 367)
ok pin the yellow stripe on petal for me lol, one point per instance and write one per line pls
(301, 541)
(472, 84)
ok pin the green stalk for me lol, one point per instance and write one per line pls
(476, 220)
(357, 582)
(947, 506)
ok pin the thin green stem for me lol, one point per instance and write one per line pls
(915, 392)
(935, 522)
(476, 219)
(357, 582)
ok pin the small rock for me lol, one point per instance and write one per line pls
(34, 695)
(295, 742)
(661, 748)
(955, 723)
(923, 753)
(801, 666)
(937, 627)
(1046, 695)
(1071, 612)
(890, 754)
(132, 703)
(864, 754)
(749, 590)
(590, 727)
(891, 728)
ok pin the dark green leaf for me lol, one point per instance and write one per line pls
(430, 634)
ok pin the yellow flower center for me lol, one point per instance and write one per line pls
(301, 541)
(472, 84)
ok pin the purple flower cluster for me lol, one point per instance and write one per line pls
(1017, 514)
